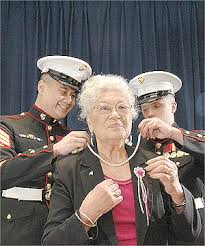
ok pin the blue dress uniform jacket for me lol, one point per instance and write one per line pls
(76, 175)
(190, 161)
(26, 144)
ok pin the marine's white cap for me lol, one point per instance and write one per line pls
(67, 70)
(151, 86)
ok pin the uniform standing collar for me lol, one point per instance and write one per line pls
(42, 115)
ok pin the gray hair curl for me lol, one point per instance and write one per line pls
(97, 84)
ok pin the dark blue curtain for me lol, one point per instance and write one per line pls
(120, 37)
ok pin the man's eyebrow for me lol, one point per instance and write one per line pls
(67, 87)
(152, 103)
(157, 101)
(63, 86)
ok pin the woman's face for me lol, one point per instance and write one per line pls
(111, 117)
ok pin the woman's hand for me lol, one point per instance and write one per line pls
(167, 172)
(101, 199)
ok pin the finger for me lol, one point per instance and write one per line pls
(143, 123)
(142, 126)
(172, 174)
(163, 177)
(145, 130)
(155, 133)
(78, 139)
(152, 166)
(119, 192)
(155, 159)
(117, 200)
(82, 145)
(77, 147)
(148, 129)
(116, 193)
(77, 150)
(154, 125)
(166, 163)
(81, 148)
(160, 169)
(162, 162)
(154, 128)
(104, 184)
(75, 143)
(113, 187)
(107, 182)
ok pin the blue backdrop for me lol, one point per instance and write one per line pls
(120, 37)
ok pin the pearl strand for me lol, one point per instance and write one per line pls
(116, 164)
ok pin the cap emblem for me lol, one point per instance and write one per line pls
(141, 80)
(82, 67)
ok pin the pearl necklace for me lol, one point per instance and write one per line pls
(116, 164)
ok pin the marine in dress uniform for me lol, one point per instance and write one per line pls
(27, 141)
(189, 157)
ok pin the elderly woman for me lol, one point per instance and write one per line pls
(105, 195)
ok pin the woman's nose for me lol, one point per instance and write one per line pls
(115, 112)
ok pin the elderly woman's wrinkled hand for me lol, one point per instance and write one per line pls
(101, 199)
(167, 172)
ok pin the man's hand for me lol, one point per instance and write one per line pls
(72, 141)
(156, 128)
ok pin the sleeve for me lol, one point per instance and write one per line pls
(18, 168)
(194, 141)
(62, 225)
(194, 144)
(187, 225)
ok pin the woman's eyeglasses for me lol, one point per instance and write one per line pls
(106, 109)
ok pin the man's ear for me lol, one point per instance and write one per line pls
(41, 86)
(174, 107)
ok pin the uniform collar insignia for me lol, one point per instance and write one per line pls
(42, 116)
(39, 114)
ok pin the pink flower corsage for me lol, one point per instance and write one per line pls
(141, 190)
(139, 172)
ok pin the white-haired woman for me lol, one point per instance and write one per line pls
(102, 196)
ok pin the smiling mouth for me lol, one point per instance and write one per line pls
(64, 107)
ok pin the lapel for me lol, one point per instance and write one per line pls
(141, 224)
(154, 194)
(91, 175)
(147, 144)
